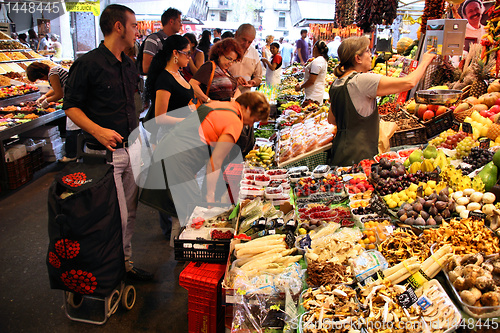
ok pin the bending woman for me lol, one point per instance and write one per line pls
(204, 138)
(353, 106)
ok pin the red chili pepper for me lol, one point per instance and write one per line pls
(243, 237)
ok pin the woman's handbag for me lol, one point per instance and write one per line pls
(199, 101)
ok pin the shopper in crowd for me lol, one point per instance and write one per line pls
(217, 35)
(353, 95)
(57, 77)
(196, 60)
(473, 10)
(14, 36)
(315, 74)
(227, 34)
(43, 43)
(204, 43)
(56, 46)
(221, 85)
(266, 49)
(249, 70)
(286, 52)
(171, 24)
(273, 67)
(33, 39)
(22, 40)
(99, 98)
(205, 138)
(333, 47)
(302, 48)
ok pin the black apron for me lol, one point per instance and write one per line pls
(179, 156)
(357, 136)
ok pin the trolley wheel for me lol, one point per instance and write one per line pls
(128, 297)
(74, 300)
(113, 299)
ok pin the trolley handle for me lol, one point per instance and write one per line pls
(91, 158)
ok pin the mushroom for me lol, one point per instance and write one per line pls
(496, 267)
(490, 299)
(469, 297)
(460, 284)
(453, 276)
(454, 262)
(485, 283)
(487, 265)
(475, 259)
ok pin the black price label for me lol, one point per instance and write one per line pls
(377, 205)
(477, 215)
(467, 128)
(455, 126)
(408, 298)
(484, 143)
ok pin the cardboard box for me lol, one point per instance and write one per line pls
(41, 132)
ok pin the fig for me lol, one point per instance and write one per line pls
(445, 191)
(406, 206)
(433, 210)
(394, 172)
(424, 215)
(385, 163)
(452, 205)
(417, 207)
(441, 205)
(419, 221)
(420, 200)
(412, 213)
(403, 218)
(428, 204)
(433, 196)
(438, 219)
(442, 197)
(401, 212)
(410, 221)
(431, 221)
(384, 173)
(446, 213)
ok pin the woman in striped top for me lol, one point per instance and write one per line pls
(57, 77)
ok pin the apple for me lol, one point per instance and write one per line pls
(492, 118)
(497, 102)
(440, 110)
(484, 113)
(421, 110)
(495, 109)
(428, 115)
(432, 107)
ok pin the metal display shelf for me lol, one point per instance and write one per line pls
(19, 99)
(22, 60)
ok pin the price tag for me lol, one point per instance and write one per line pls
(455, 126)
(424, 303)
(408, 298)
(377, 205)
(484, 143)
(467, 128)
(477, 215)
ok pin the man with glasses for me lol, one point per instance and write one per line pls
(172, 24)
(249, 70)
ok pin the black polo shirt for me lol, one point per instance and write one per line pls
(103, 88)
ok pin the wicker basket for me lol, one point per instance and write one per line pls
(465, 93)
(461, 115)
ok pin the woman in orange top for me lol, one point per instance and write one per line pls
(183, 154)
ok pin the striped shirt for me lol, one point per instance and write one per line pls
(62, 73)
(153, 43)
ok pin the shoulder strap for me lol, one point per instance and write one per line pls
(350, 77)
(211, 77)
(209, 109)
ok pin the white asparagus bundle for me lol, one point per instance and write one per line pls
(433, 265)
(402, 271)
(266, 240)
(246, 257)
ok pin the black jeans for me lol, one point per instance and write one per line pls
(71, 143)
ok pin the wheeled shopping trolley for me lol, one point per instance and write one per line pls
(85, 256)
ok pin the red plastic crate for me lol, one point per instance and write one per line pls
(232, 176)
(203, 283)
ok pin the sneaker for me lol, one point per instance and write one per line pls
(67, 159)
(139, 274)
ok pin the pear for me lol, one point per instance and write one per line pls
(416, 156)
(430, 152)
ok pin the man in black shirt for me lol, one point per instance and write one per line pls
(99, 98)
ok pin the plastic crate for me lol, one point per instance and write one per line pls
(19, 172)
(438, 124)
(232, 176)
(412, 136)
(37, 160)
(205, 295)
(215, 251)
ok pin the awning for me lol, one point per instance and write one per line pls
(224, 25)
(304, 12)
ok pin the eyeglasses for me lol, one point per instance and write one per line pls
(229, 59)
(188, 53)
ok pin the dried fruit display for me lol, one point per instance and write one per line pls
(434, 9)
(403, 119)
(345, 12)
(373, 12)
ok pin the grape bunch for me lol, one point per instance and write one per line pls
(438, 140)
(464, 147)
(452, 140)
(477, 158)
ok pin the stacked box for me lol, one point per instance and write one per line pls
(19, 172)
(53, 149)
(203, 283)
(232, 176)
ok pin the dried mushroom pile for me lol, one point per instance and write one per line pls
(402, 245)
(322, 273)
(403, 119)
